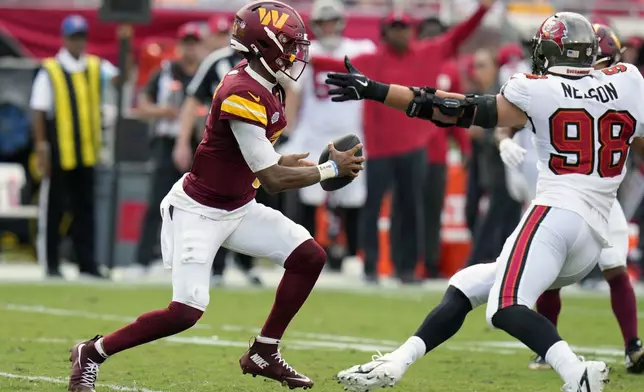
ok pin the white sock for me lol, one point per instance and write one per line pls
(410, 351)
(563, 360)
(262, 339)
(98, 345)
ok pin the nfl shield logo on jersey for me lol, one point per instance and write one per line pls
(275, 117)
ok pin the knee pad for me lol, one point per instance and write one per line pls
(309, 257)
(196, 296)
(184, 315)
(475, 282)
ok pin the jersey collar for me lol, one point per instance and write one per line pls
(268, 85)
(70, 63)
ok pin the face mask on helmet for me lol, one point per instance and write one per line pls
(295, 58)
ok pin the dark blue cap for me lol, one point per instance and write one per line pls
(73, 24)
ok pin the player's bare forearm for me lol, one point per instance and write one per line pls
(187, 119)
(278, 178)
(399, 97)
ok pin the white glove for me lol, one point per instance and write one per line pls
(511, 153)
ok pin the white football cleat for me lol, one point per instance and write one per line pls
(593, 378)
(382, 371)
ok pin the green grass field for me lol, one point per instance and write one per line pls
(39, 323)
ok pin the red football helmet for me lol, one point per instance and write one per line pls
(274, 33)
(609, 48)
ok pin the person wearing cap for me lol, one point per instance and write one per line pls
(160, 101)
(395, 144)
(314, 120)
(202, 87)
(66, 100)
(219, 33)
(199, 92)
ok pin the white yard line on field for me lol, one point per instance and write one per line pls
(56, 380)
(77, 313)
(230, 328)
(307, 340)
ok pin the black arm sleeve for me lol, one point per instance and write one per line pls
(485, 114)
(151, 89)
(477, 110)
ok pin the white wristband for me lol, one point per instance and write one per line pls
(328, 169)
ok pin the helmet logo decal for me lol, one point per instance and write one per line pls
(274, 16)
(554, 30)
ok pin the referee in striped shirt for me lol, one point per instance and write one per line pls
(200, 91)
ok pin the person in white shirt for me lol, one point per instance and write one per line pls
(66, 100)
(314, 121)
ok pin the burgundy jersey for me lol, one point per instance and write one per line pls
(219, 176)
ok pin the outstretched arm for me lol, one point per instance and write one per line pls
(441, 107)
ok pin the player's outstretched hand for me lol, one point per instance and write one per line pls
(511, 153)
(351, 86)
(349, 165)
(296, 160)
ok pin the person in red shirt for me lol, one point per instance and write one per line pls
(395, 144)
(436, 174)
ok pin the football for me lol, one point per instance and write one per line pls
(342, 144)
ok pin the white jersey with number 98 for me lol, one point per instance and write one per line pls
(582, 131)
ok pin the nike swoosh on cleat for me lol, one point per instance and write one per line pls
(306, 379)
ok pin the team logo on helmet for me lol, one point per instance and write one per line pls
(266, 17)
(554, 30)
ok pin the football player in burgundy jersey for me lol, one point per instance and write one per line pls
(213, 205)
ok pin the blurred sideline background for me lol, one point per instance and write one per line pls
(29, 32)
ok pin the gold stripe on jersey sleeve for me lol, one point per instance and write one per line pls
(242, 107)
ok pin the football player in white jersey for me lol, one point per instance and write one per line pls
(612, 261)
(584, 123)
(316, 121)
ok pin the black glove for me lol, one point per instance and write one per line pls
(354, 86)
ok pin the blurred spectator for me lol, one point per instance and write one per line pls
(315, 120)
(449, 79)
(488, 175)
(511, 60)
(161, 101)
(199, 92)
(631, 50)
(219, 29)
(66, 99)
(430, 27)
(395, 144)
